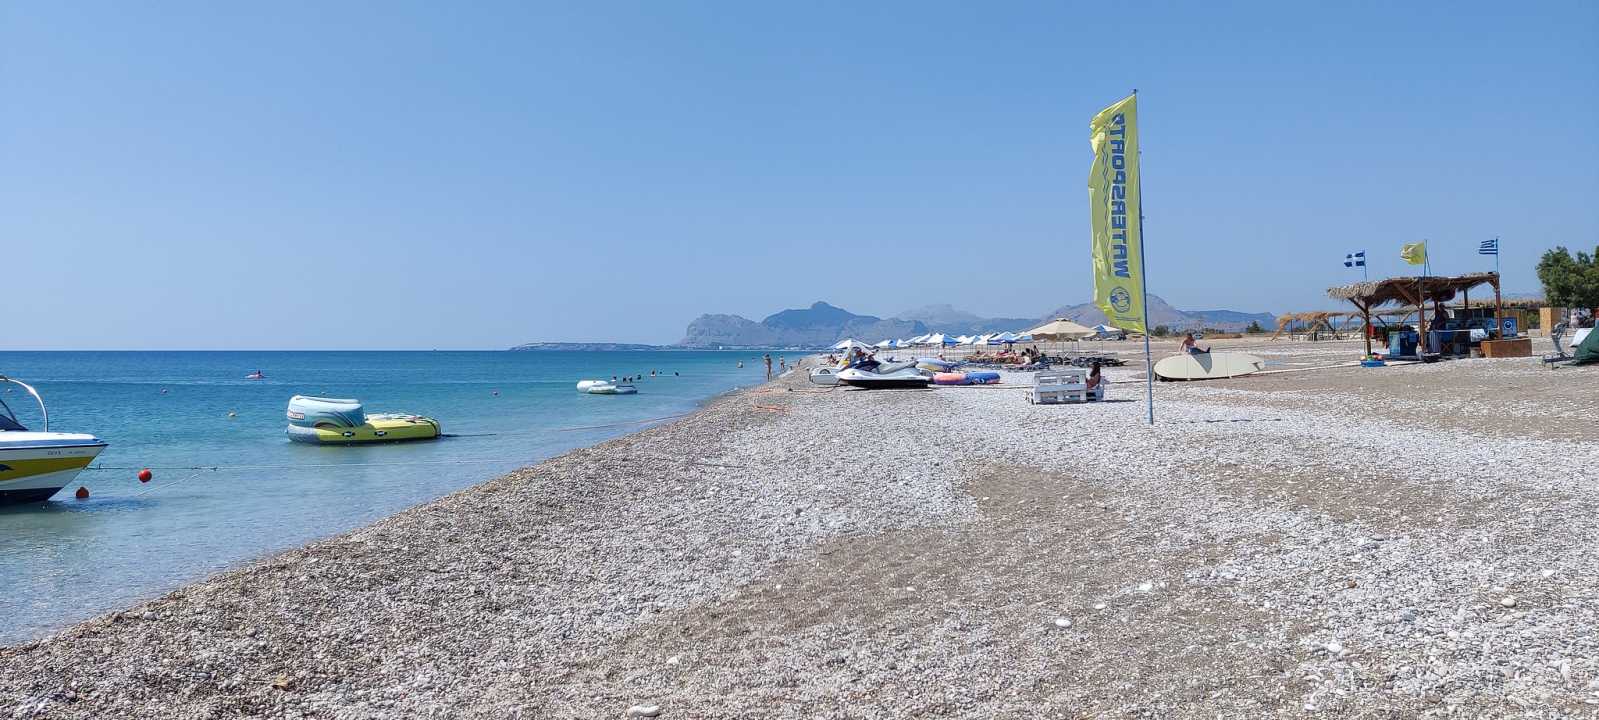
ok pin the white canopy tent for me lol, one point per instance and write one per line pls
(850, 344)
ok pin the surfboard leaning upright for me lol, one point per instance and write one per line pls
(1208, 366)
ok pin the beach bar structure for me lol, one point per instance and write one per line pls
(1367, 297)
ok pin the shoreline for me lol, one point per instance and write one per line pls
(792, 550)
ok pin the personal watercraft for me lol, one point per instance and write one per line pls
(895, 375)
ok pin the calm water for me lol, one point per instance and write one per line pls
(66, 560)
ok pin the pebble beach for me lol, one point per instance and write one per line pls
(1317, 541)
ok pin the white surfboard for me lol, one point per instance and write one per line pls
(1208, 366)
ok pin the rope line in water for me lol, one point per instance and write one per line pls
(293, 466)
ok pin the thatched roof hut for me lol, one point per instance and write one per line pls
(1368, 296)
(1440, 288)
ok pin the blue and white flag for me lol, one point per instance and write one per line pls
(1489, 247)
(1354, 260)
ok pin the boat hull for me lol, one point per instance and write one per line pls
(376, 429)
(35, 473)
(898, 380)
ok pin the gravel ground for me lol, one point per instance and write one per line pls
(1408, 541)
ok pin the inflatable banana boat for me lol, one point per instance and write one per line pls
(332, 421)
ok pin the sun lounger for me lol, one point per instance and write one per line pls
(1051, 388)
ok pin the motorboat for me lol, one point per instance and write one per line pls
(606, 388)
(584, 385)
(336, 421)
(898, 375)
(34, 465)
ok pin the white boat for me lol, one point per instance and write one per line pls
(584, 385)
(824, 376)
(605, 388)
(34, 465)
(890, 377)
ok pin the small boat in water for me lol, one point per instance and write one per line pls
(34, 465)
(335, 421)
(606, 388)
(584, 385)
(257, 375)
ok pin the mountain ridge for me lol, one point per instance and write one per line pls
(823, 324)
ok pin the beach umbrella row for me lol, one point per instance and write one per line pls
(941, 339)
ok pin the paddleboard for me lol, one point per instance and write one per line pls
(1208, 366)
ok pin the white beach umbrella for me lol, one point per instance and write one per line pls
(1060, 329)
(849, 344)
(885, 344)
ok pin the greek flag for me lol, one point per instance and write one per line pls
(1354, 260)
(1489, 247)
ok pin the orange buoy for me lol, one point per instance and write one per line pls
(145, 475)
(82, 493)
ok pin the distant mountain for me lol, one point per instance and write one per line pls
(1162, 313)
(946, 319)
(820, 324)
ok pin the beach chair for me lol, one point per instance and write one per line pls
(1050, 388)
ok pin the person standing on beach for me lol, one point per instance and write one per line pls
(768, 358)
(782, 364)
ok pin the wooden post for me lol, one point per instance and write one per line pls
(1499, 310)
(1421, 315)
(1365, 313)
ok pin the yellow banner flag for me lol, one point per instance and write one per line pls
(1414, 253)
(1117, 215)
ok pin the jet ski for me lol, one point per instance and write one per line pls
(895, 375)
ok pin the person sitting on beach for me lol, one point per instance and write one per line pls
(1191, 347)
(1094, 378)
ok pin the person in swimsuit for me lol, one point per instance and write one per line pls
(1191, 347)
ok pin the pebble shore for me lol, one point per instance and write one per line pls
(1414, 541)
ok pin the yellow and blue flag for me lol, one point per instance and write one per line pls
(1116, 209)
(1414, 253)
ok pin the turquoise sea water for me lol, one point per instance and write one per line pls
(66, 560)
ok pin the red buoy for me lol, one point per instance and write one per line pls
(144, 475)
(83, 493)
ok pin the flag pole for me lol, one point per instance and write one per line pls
(1143, 279)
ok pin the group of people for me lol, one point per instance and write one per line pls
(626, 379)
(1009, 356)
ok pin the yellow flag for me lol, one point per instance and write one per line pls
(1414, 253)
(1117, 215)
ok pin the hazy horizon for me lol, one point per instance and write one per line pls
(412, 176)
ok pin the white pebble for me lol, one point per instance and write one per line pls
(673, 660)
(1145, 587)
(1099, 606)
(1547, 573)
(1063, 622)
(1335, 647)
(1508, 602)
(644, 711)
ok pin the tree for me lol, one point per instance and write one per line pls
(1254, 327)
(1570, 281)
(1161, 331)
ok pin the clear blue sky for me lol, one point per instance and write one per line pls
(417, 175)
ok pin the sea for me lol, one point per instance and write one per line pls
(229, 487)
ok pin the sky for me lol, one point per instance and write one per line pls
(351, 175)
